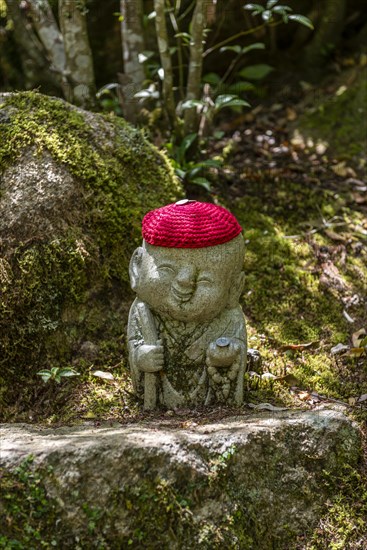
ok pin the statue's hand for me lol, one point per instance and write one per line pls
(150, 357)
(222, 356)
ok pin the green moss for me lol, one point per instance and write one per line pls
(338, 119)
(285, 299)
(28, 516)
(125, 176)
(58, 290)
(344, 523)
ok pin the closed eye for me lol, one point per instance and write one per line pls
(204, 280)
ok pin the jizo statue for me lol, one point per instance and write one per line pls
(186, 331)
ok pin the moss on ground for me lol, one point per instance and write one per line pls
(343, 525)
(298, 283)
(293, 296)
(340, 119)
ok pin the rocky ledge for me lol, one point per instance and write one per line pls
(250, 481)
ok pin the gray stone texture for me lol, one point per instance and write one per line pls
(246, 482)
(186, 330)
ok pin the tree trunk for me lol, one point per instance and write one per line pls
(49, 34)
(132, 45)
(78, 52)
(33, 58)
(166, 62)
(198, 24)
(327, 34)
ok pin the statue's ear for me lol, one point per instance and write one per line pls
(134, 267)
(236, 290)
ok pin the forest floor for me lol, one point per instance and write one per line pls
(304, 214)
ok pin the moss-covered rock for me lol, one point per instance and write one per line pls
(252, 482)
(73, 189)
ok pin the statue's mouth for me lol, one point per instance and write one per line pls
(182, 295)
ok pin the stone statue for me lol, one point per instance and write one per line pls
(186, 330)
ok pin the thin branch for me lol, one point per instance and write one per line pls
(238, 35)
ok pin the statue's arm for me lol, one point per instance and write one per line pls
(233, 330)
(145, 349)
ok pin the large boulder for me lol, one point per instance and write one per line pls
(248, 482)
(74, 187)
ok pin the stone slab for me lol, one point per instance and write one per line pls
(250, 481)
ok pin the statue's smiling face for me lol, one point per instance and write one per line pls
(189, 284)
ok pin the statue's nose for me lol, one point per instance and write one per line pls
(186, 277)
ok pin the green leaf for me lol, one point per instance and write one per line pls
(193, 172)
(229, 100)
(267, 16)
(282, 9)
(180, 173)
(270, 4)
(190, 103)
(147, 93)
(218, 134)
(256, 72)
(68, 372)
(255, 46)
(45, 375)
(236, 49)
(188, 141)
(144, 56)
(203, 182)
(241, 86)
(211, 78)
(185, 36)
(182, 149)
(302, 20)
(235, 103)
(256, 7)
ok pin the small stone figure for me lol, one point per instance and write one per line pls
(186, 331)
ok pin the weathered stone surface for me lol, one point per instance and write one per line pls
(73, 188)
(249, 482)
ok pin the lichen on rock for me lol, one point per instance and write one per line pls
(73, 188)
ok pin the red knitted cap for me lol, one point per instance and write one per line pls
(190, 224)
